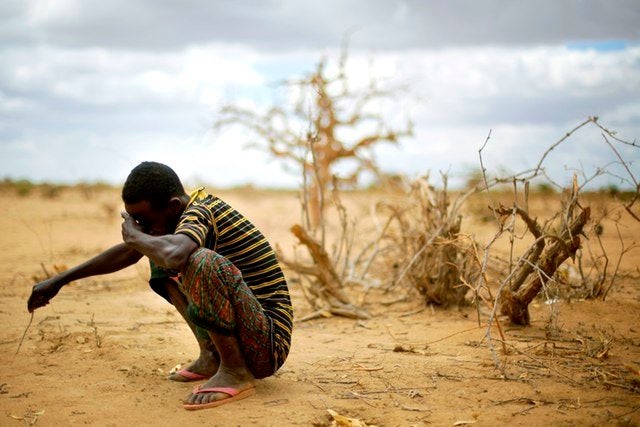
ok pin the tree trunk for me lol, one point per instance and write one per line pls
(515, 299)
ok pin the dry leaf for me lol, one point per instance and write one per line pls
(30, 417)
(342, 421)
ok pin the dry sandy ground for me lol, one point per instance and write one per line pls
(100, 353)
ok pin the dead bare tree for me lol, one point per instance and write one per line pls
(330, 106)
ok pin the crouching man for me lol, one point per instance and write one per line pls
(215, 267)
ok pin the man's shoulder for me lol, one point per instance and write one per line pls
(207, 202)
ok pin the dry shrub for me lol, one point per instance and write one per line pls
(432, 254)
(50, 191)
(559, 237)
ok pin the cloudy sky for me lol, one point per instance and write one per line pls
(90, 88)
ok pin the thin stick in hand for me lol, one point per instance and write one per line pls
(24, 334)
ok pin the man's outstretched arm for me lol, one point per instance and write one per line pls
(109, 261)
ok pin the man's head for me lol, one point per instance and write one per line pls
(154, 196)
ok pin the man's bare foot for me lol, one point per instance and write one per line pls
(205, 366)
(237, 379)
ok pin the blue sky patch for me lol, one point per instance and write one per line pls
(600, 45)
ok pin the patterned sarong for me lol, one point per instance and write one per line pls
(220, 301)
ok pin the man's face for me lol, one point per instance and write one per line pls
(153, 221)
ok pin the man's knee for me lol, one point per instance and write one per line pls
(210, 265)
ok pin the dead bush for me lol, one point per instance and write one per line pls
(433, 256)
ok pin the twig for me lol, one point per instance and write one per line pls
(24, 334)
(623, 250)
(394, 390)
(484, 170)
(637, 408)
(635, 182)
(543, 364)
(612, 134)
(453, 335)
(567, 135)
(376, 249)
(315, 315)
(411, 313)
(320, 188)
(419, 252)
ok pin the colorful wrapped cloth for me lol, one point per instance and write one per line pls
(220, 301)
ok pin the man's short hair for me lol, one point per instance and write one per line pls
(153, 182)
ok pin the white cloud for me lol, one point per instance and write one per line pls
(198, 75)
(12, 104)
(45, 12)
(286, 24)
(83, 82)
(529, 98)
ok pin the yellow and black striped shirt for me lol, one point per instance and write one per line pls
(213, 224)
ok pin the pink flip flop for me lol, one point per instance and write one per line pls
(234, 394)
(188, 375)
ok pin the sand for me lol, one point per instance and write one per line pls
(99, 354)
